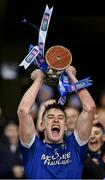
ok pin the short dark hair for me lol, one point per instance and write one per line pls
(54, 106)
(99, 125)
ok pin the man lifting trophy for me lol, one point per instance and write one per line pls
(54, 62)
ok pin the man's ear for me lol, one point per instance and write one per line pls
(103, 137)
(65, 126)
(42, 125)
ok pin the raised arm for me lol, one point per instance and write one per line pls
(26, 123)
(86, 117)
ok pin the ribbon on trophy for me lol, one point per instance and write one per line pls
(66, 87)
(42, 39)
(44, 28)
(30, 57)
(36, 54)
(41, 43)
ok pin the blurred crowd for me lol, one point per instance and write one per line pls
(11, 165)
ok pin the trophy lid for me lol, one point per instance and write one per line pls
(58, 57)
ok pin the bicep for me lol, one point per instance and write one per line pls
(26, 128)
(84, 125)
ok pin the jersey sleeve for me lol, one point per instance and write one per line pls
(28, 151)
(79, 148)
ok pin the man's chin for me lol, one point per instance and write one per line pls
(56, 139)
(94, 149)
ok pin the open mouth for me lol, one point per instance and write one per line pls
(55, 129)
(93, 143)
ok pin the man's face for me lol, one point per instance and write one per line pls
(54, 125)
(11, 131)
(72, 117)
(101, 117)
(96, 139)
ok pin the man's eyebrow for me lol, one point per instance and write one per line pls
(59, 115)
(50, 115)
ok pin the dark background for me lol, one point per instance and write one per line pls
(77, 25)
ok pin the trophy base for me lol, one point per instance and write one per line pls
(58, 57)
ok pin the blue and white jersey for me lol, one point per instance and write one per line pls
(54, 161)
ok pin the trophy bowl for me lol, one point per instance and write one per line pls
(58, 59)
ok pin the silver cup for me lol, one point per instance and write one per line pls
(58, 59)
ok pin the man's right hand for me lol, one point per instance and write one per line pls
(37, 75)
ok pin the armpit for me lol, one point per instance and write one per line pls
(79, 141)
(30, 144)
